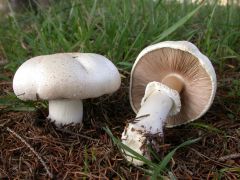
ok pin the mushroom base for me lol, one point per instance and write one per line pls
(141, 141)
(65, 111)
(147, 128)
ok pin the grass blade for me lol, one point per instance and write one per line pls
(175, 26)
(169, 156)
(135, 41)
(122, 146)
(207, 127)
(11, 102)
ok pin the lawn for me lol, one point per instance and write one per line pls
(118, 30)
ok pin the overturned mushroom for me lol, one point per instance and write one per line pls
(172, 83)
(65, 79)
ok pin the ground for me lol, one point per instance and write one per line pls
(87, 151)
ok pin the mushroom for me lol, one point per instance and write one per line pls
(65, 79)
(172, 83)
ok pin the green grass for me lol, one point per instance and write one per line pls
(120, 30)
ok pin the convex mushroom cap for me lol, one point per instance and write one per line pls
(65, 79)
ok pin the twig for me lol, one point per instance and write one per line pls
(231, 156)
(75, 134)
(137, 119)
(215, 161)
(143, 116)
(34, 152)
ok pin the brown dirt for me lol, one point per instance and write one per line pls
(87, 151)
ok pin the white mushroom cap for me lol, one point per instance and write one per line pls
(66, 76)
(181, 59)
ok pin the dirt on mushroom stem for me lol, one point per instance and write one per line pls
(69, 155)
(154, 142)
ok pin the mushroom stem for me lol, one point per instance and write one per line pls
(65, 111)
(147, 128)
(173, 81)
(153, 112)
